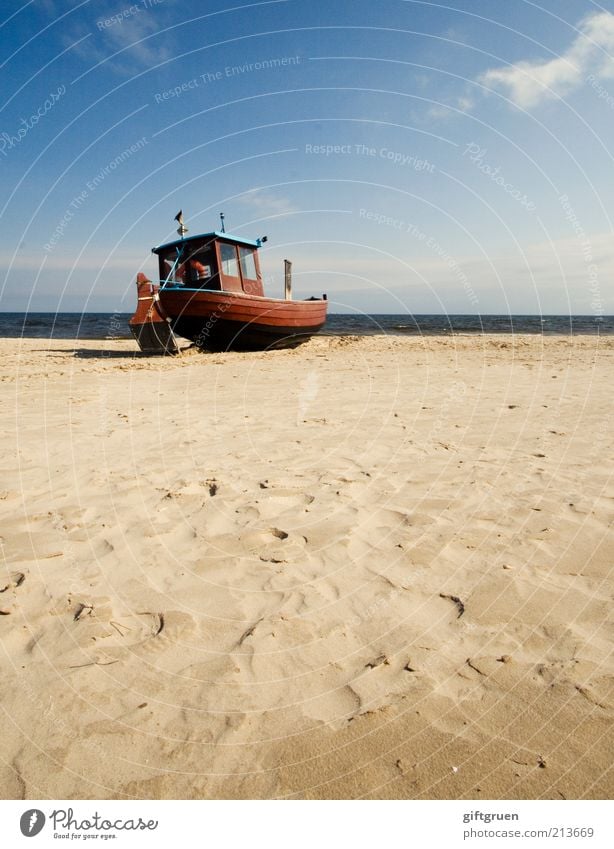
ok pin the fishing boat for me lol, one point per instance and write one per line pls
(210, 291)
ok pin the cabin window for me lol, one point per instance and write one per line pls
(199, 270)
(171, 270)
(230, 265)
(248, 263)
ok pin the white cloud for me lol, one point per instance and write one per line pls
(444, 111)
(266, 204)
(131, 36)
(437, 113)
(528, 84)
(122, 39)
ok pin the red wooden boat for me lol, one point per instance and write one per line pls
(211, 292)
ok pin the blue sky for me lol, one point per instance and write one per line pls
(407, 156)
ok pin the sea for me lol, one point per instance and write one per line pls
(92, 325)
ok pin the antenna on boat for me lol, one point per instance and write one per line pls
(182, 229)
(223, 229)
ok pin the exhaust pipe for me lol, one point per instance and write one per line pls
(287, 280)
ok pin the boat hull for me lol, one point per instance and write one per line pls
(221, 321)
(149, 327)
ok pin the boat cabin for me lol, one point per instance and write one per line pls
(215, 261)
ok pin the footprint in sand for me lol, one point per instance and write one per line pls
(15, 579)
(108, 628)
(98, 617)
(274, 544)
(161, 631)
(138, 628)
(255, 540)
(276, 502)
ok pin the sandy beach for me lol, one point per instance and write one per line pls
(375, 567)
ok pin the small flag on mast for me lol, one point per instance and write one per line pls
(182, 229)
